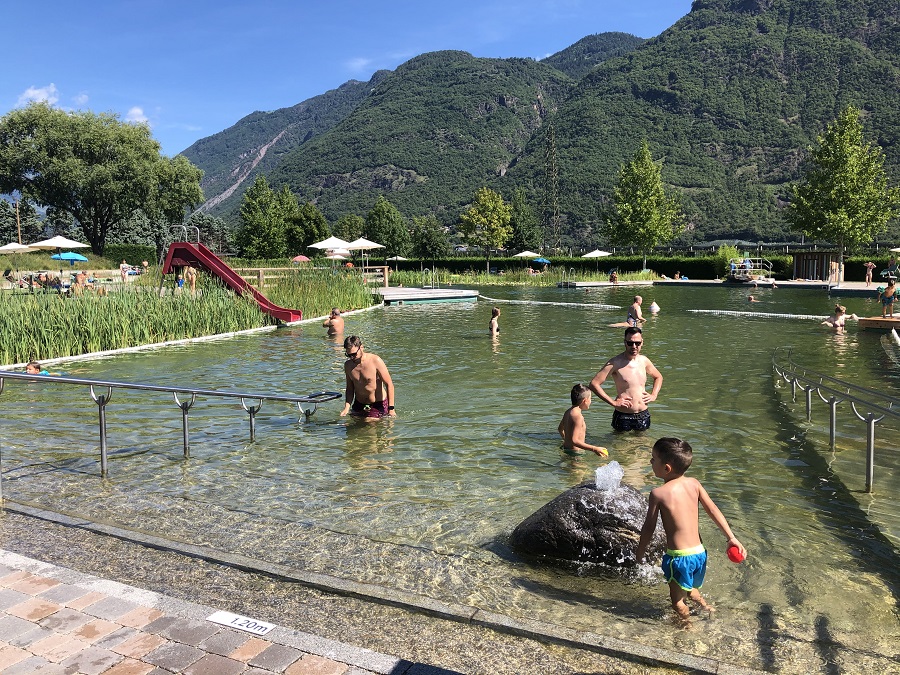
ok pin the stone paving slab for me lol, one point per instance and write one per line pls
(59, 621)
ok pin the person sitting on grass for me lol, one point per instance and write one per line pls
(573, 429)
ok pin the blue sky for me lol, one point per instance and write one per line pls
(195, 67)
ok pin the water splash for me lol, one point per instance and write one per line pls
(609, 476)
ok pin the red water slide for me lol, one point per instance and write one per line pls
(183, 253)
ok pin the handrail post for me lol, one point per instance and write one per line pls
(832, 405)
(809, 392)
(870, 451)
(252, 410)
(101, 402)
(185, 407)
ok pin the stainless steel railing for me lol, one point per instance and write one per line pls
(307, 405)
(868, 405)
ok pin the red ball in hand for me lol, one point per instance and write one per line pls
(734, 554)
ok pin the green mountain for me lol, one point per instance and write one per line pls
(729, 98)
(438, 128)
(232, 158)
(576, 61)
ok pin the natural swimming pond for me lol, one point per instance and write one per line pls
(424, 503)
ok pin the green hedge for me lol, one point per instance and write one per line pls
(134, 254)
(708, 267)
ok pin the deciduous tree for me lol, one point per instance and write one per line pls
(429, 239)
(526, 231)
(644, 216)
(385, 226)
(844, 197)
(93, 166)
(262, 232)
(306, 227)
(349, 227)
(486, 222)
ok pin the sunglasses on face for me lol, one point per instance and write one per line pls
(634, 343)
(351, 354)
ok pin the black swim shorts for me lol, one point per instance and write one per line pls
(639, 421)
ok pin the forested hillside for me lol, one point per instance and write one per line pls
(577, 60)
(441, 126)
(729, 98)
(232, 158)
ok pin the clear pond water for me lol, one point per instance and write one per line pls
(425, 502)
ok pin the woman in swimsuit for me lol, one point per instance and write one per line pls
(839, 319)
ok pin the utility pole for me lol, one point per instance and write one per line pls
(18, 224)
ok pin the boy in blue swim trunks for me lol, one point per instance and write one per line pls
(684, 563)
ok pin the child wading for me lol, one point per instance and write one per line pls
(684, 563)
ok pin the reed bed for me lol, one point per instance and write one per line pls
(44, 325)
(510, 278)
(316, 291)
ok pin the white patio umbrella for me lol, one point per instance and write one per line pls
(526, 254)
(596, 254)
(331, 242)
(893, 250)
(397, 257)
(339, 251)
(362, 244)
(57, 242)
(335, 256)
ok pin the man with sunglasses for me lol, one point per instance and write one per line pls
(370, 390)
(629, 371)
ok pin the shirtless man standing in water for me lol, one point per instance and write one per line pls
(629, 371)
(370, 390)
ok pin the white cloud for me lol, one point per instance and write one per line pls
(80, 99)
(136, 114)
(358, 64)
(48, 94)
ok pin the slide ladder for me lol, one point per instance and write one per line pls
(197, 255)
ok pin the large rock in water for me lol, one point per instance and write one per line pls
(585, 524)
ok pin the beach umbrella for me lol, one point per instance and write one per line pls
(893, 250)
(57, 242)
(335, 256)
(596, 253)
(526, 254)
(68, 255)
(343, 252)
(300, 258)
(362, 244)
(397, 257)
(541, 261)
(331, 242)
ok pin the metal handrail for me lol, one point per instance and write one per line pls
(875, 405)
(103, 399)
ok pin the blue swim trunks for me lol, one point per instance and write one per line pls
(687, 567)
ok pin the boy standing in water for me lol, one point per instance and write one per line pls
(572, 427)
(684, 563)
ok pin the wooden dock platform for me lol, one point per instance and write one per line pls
(395, 295)
(877, 323)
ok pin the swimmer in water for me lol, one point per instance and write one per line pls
(629, 371)
(572, 427)
(493, 326)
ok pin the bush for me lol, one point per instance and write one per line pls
(133, 253)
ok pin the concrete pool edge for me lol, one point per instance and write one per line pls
(412, 602)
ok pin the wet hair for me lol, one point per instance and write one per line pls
(637, 297)
(335, 311)
(675, 452)
(33, 364)
(495, 312)
(353, 341)
(632, 330)
(579, 393)
(839, 308)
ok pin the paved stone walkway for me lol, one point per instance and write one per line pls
(58, 621)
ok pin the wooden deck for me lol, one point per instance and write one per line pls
(877, 323)
(396, 295)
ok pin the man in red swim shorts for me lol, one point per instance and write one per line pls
(370, 390)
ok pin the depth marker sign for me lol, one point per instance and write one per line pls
(241, 623)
